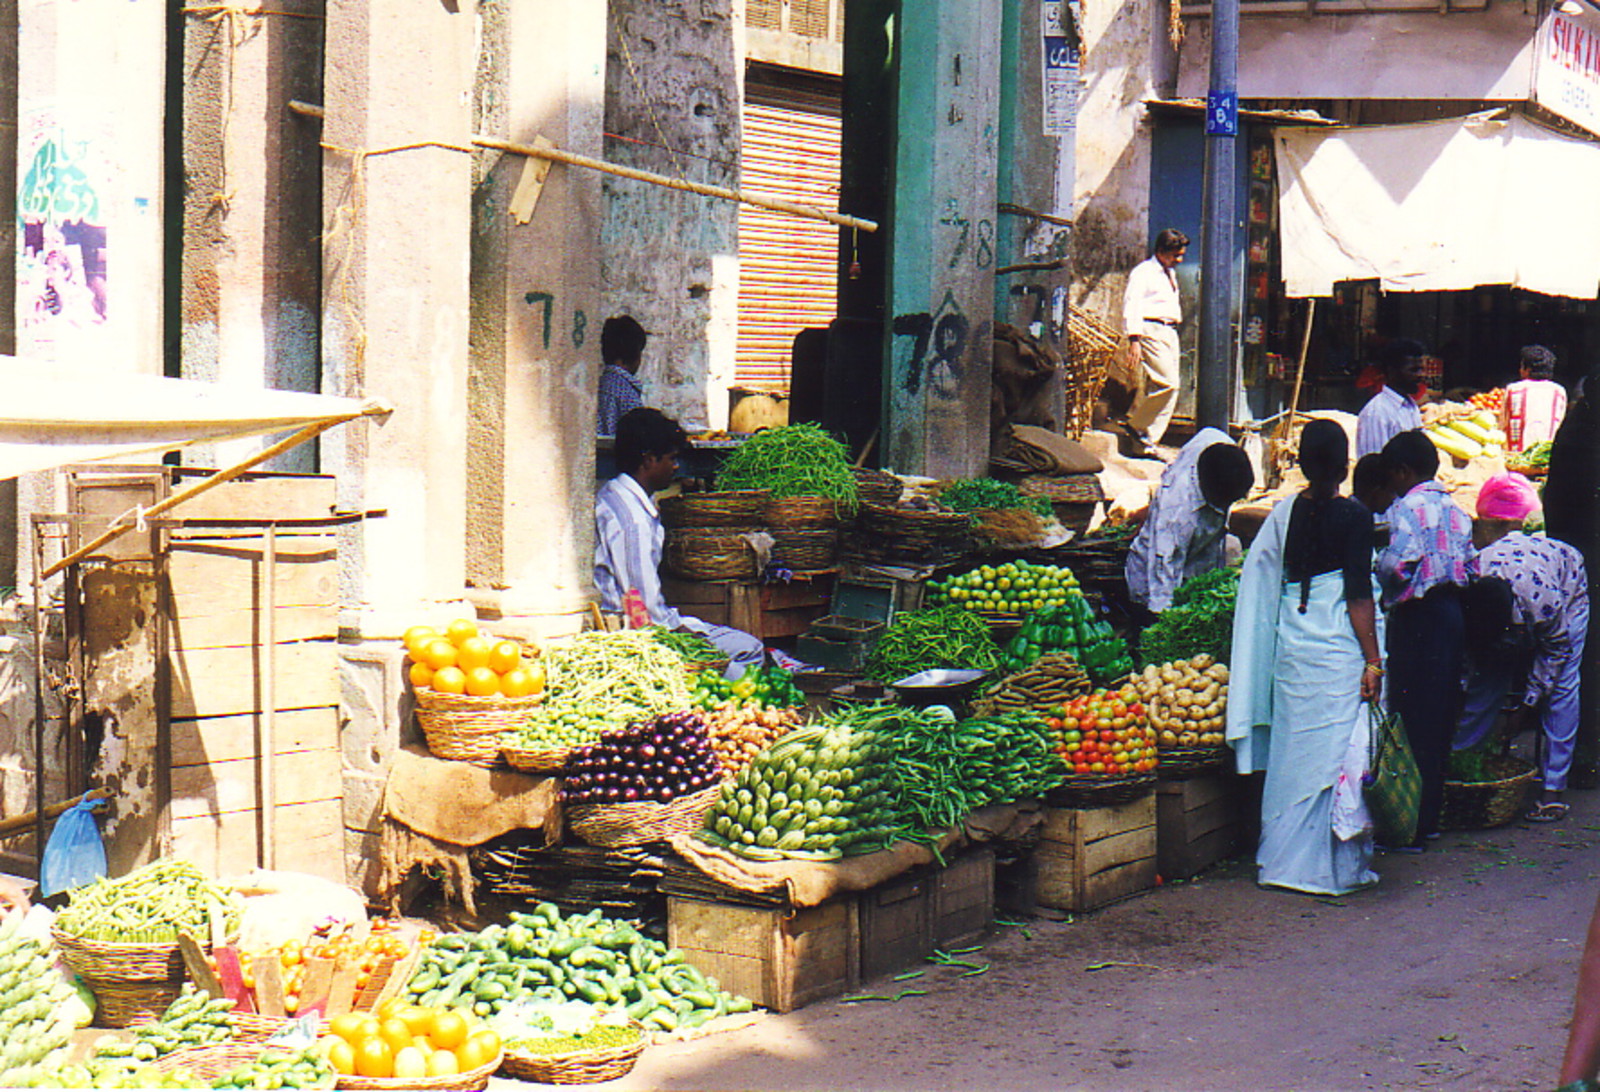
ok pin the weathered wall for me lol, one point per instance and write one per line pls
(252, 209)
(670, 259)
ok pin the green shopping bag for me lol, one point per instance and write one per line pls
(1393, 784)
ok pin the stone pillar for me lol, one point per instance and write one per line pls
(251, 211)
(396, 210)
(536, 319)
(674, 90)
(941, 291)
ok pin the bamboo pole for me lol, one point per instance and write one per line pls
(760, 201)
(119, 528)
(1300, 368)
(18, 824)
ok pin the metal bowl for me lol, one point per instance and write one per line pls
(942, 686)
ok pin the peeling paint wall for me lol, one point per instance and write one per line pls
(675, 78)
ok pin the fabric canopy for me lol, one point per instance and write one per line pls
(52, 415)
(1438, 206)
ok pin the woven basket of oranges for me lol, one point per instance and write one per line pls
(470, 687)
(401, 1045)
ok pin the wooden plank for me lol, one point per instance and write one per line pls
(194, 958)
(1199, 822)
(220, 788)
(219, 739)
(695, 592)
(310, 839)
(247, 627)
(963, 897)
(222, 681)
(1089, 857)
(264, 497)
(780, 959)
(896, 925)
(220, 578)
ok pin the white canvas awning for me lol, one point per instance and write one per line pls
(53, 415)
(1439, 206)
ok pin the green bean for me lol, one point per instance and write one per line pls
(792, 461)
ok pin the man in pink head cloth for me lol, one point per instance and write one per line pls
(1550, 591)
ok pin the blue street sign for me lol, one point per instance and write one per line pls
(1222, 113)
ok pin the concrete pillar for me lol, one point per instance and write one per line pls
(536, 319)
(671, 259)
(396, 210)
(252, 211)
(941, 292)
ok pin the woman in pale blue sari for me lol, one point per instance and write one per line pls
(1305, 660)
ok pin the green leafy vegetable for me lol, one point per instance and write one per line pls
(792, 461)
(1200, 620)
(984, 493)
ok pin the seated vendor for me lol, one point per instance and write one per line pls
(1184, 533)
(629, 536)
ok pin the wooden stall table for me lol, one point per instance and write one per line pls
(766, 611)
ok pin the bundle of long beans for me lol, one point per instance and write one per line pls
(792, 461)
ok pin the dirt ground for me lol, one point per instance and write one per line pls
(1456, 972)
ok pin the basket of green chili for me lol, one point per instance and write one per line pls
(796, 463)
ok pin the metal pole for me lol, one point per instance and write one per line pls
(1214, 386)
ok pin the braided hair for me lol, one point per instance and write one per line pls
(1325, 460)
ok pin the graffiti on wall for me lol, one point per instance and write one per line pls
(62, 241)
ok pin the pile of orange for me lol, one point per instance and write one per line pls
(460, 660)
(404, 1041)
(343, 949)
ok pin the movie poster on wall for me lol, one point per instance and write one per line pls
(63, 200)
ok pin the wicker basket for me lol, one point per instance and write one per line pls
(578, 1067)
(106, 961)
(699, 667)
(121, 1003)
(876, 486)
(471, 1079)
(466, 728)
(529, 761)
(694, 553)
(1477, 805)
(1180, 763)
(248, 1027)
(1068, 489)
(914, 523)
(1098, 791)
(212, 1063)
(799, 512)
(730, 508)
(614, 826)
(805, 550)
(1092, 348)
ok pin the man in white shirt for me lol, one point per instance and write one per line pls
(1392, 410)
(1151, 312)
(1185, 533)
(629, 535)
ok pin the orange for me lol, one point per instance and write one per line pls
(442, 1063)
(418, 636)
(506, 656)
(471, 1054)
(482, 682)
(461, 629)
(418, 1019)
(474, 652)
(374, 1058)
(487, 1039)
(352, 1026)
(537, 671)
(450, 680)
(396, 1034)
(449, 1030)
(420, 674)
(410, 1062)
(342, 1056)
(517, 683)
(439, 653)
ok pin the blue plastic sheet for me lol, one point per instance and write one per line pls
(74, 855)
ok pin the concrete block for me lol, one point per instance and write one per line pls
(375, 710)
(363, 800)
(362, 861)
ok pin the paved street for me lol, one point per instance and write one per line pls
(1456, 973)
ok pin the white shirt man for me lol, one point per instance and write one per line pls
(1392, 410)
(1151, 313)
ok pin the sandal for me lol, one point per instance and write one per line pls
(1548, 811)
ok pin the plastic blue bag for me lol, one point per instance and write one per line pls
(74, 855)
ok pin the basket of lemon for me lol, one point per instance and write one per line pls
(403, 1046)
(470, 687)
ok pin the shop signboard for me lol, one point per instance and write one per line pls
(1566, 74)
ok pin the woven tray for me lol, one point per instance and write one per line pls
(466, 728)
(212, 1063)
(806, 550)
(798, 512)
(471, 1079)
(915, 524)
(729, 508)
(1477, 805)
(121, 1004)
(107, 961)
(521, 758)
(1092, 791)
(1068, 489)
(613, 826)
(248, 1027)
(693, 553)
(876, 486)
(579, 1067)
(1179, 763)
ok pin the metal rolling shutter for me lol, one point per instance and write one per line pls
(787, 266)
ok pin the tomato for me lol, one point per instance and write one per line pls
(442, 1063)
(1097, 767)
(341, 1055)
(1082, 767)
(410, 1062)
(449, 1030)
(374, 1058)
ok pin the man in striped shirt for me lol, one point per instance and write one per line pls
(629, 535)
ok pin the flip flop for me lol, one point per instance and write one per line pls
(1549, 811)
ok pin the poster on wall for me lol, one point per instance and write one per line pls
(1060, 100)
(62, 241)
(1566, 73)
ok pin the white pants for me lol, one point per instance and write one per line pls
(743, 650)
(1151, 414)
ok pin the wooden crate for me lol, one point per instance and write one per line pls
(963, 898)
(1088, 857)
(781, 958)
(765, 610)
(1199, 821)
(896, 924)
